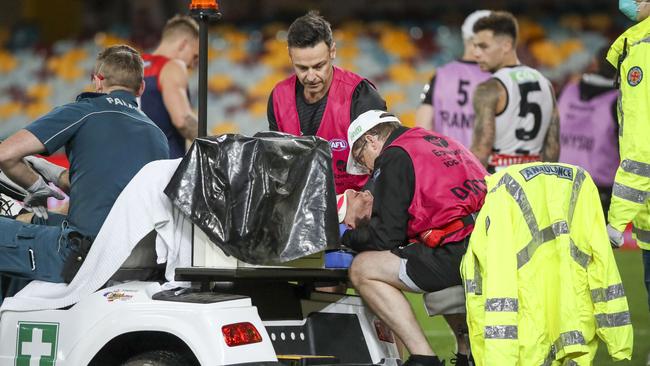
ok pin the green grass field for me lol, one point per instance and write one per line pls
(631, 269)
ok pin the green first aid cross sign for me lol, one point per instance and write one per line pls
(36, 344)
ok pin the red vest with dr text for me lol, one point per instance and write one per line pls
(449, 181)
(333, 126)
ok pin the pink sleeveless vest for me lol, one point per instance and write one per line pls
(588, 133)
(449, 181)
(333, 126)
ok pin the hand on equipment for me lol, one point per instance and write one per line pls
(37, 195)
(615, 237)
(51, 172)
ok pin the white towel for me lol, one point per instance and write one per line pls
(141, 207)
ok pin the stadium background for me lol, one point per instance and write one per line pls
(47, 50)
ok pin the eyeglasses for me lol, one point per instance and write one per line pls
(358, 157)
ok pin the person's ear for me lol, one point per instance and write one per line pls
(182, 44)
(333, 51)
(141, 89)
(98, 84)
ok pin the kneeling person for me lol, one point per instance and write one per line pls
(426, 188)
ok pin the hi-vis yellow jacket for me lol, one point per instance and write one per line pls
(631, 191)
(540, 277)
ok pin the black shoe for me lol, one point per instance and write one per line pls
(418, 360)
(461, 360)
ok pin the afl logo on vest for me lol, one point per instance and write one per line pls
(436, 140)
(338, 145)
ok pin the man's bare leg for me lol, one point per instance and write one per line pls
(458, 325)
(375, 275)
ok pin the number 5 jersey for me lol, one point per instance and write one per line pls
(521, 127)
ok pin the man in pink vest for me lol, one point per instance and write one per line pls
(446, 101)
(588, 125)
(426, 189)
(321, 99)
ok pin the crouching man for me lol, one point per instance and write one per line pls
(413, 234)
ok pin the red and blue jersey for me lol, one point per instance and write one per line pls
(153, 106)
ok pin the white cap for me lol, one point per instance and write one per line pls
(467, 28)
(358, 127)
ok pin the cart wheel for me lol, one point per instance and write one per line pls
(158, 358)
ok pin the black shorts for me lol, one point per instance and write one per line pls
(434, 269)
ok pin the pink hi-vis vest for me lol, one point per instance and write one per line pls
(333, 126)
(588, 133)
(449, 182)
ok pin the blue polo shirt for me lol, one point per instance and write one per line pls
(107, 140)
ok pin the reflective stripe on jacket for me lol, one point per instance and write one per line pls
(540, 277)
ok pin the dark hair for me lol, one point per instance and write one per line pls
(309, 30)
(181, 24)
(603, 67)
(500, 23)
(120, 65)
(382, 131)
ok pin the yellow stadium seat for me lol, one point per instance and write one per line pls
(70, 73)
(347, 65)
(570, 46)
(219, 83)
(347, 51)
(530, 30)
(35, 110)
(263, 88)
(398, 43)
(8, 62)
(408, 118)
(276, 60)
(402, 73)
(547, 53)
(225, 127)
(75, 55)
(39, 91)
(275, 45)
(10, 109)
(393, 99)
(258, 109)
(236, 54)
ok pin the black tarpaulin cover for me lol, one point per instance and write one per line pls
(263, 199)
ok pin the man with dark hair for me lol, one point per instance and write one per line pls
(166, 98)
(516, 118)
(426, 188)
(588, 125)
(107, 140)
(320, 99)
(447, 99)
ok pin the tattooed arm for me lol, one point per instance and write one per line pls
(488, 97)
(551, 149)
(173, 81)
